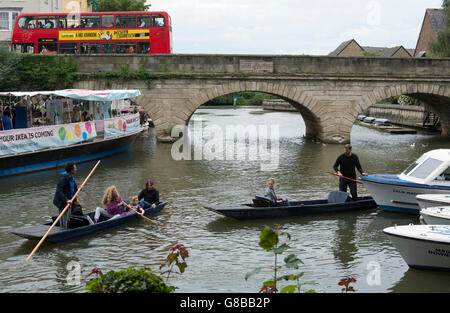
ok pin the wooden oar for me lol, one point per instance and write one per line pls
(63, 211)
(142, 215)
(350, 179)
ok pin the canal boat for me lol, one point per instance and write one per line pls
(31, 149)
(433, 200)
(263, 208)
(436, 215)
(422, 246)
(59, 234)
(397, 193)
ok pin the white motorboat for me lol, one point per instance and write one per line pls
(430, 174)
(422, 246)
(433, 200)
(439, 215)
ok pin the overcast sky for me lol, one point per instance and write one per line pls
(314, 27)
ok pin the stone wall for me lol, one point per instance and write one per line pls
(406, 115)
(277, 105)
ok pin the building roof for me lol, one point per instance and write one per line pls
(437, 19)
(386, 52)
(342, 47)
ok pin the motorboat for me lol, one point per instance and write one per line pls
(430, 174)
(433, 200)
(382, 122)
(439, 215)
(422, 246)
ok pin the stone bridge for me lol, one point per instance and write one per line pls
(329, 92)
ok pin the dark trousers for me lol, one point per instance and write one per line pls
(343, 183)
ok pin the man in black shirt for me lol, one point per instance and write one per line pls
(149, 197)
(347, 163)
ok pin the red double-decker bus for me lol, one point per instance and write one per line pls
(93, 33)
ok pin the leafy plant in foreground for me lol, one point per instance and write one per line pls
(270, 242)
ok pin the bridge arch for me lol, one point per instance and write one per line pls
(292, 94)
(436, 96)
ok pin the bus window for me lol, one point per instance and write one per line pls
(90, 21)
(89, 48)
(27, 22)
(69, 21)
(143, 47)
(125, 47)
(47, 48)
(47, 22)
(143, 21)
(23, 47)
(68, 48)
(126, 21)
(158, 21)
(108, 48)
(107, 21)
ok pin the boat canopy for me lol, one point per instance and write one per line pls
(431, 167)
(80, 94)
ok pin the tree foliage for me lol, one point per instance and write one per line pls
(441, 46)
(122, 5)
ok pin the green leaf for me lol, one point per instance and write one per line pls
(251, 273)
(291, 261)
(268, 239)
(269, 283)
(182, 266)
(281, 248)
(289, 289)
(311, 291)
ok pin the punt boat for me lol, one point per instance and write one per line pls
(397, 193)
(59, 234)
(262, 208)
(422, 246)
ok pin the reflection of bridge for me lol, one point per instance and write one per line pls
(329, 92)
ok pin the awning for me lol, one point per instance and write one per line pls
(80, 94)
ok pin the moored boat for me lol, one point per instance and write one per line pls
(261, 209)
(31, 149)
(59, 234)
(427, 175)
(422, 246)
(433, 200)
(436, 215)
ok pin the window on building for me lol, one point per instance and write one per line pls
(143, 47)
(143, 21)
(90, 48)
(23, 47)
(125, 47)
(69, 21)
(7, 19)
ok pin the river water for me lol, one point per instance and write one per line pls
(222, 250)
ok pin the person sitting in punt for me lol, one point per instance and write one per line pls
(112, 201)
(149, 197)
(134, 203)
(270, 193)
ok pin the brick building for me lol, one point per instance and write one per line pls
(433, 22)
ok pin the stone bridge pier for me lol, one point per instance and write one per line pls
(329, 92)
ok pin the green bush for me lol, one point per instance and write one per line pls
(129, 280)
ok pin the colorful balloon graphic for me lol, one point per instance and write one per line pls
(120, 124)
(70, 135)
(88, 127)
(78, 130)
(85, 135)
(62, 133)
(124, 126)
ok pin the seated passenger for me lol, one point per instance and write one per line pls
(134, 203)
(142, 23)
(77, 211)
(149, 197)
(270, 193)
(112, 201)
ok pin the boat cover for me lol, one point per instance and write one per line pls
(80, 94)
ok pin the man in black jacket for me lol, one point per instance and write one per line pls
(149, 197)
(347, 163)
(65, 190)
